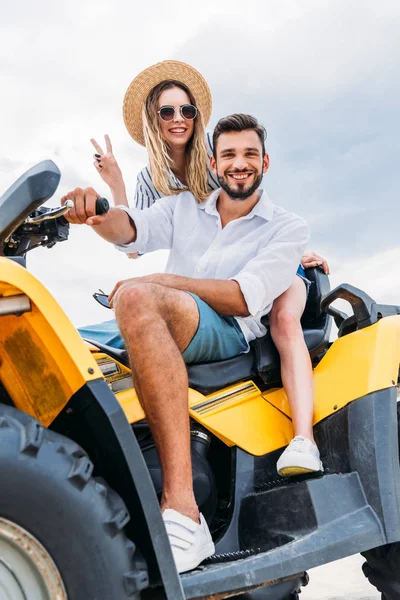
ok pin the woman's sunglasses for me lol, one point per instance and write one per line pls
(187, 111)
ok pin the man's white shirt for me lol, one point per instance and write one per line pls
(261, 251)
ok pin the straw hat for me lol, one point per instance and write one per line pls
(142, 85)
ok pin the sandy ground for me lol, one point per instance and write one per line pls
(341, 580)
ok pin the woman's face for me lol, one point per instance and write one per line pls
(177, 132)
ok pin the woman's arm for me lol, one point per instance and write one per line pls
(118, 191)
(106, 165)
(311, 259)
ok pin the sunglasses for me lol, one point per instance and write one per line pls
(102, 298)
(187, 111)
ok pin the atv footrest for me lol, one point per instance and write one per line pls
(325, 519)
(268, 520)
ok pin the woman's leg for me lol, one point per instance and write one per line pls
(296, 371)
(302, 455)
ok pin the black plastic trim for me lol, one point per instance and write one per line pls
(366, 310)
(31, 190)
(95, 420)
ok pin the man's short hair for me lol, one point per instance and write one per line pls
(239, 122)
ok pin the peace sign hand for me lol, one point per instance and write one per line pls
(106, 164)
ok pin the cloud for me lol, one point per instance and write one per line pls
(321, 75)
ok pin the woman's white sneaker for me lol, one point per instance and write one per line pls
(301, 456)
(191, 542)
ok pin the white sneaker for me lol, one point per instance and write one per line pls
(191, 542)
(301, 456)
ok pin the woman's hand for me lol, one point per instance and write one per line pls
(106, 164)
(311, 259)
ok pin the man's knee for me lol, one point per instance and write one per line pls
(135, 299)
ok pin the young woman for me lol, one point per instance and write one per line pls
(166, 108)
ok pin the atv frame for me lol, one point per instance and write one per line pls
(274, 528)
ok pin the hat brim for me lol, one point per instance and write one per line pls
(142, 85)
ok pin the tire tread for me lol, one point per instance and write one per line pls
(76, 471)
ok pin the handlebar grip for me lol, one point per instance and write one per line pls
(102, 206)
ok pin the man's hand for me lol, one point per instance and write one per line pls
(224, 296)
(311, 259)
(84, 210)
(106, 165)
(114, 226)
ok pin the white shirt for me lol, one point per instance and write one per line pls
(260, 251)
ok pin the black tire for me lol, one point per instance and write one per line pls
(47, 488)
(382, 570)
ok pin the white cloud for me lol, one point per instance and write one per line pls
(322, 75)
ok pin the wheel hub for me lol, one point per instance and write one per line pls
(27, 571)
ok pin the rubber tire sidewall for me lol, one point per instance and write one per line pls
(75, 523)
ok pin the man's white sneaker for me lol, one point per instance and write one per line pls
(301, 456)
(191, 542)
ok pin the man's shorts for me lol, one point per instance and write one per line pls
(218, 337)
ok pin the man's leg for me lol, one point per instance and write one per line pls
(157, 324)
(296, 371)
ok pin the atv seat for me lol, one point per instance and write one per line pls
(262, 361)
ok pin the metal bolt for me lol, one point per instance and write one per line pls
(393, 382)
(335, 407)
(90, 370)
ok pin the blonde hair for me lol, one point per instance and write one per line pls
(158, 152)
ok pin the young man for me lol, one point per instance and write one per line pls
(230, 258)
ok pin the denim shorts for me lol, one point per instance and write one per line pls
(302, 274)
(218, 337)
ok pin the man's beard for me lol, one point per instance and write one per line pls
(240, 195)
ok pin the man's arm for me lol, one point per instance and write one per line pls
(224, 296)
(264, 278)
(115, 226)
(272, 271)
(129, 229)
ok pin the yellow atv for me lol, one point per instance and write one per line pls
(80, 477)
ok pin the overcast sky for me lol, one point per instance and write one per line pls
(322, 75)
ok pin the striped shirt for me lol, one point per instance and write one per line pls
(146, 194)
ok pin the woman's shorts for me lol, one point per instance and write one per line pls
(302, 274)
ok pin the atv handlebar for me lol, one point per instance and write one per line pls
(366, 310)
(54, 213)
(102, 206)
(44, 227)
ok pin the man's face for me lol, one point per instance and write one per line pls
(239, 164)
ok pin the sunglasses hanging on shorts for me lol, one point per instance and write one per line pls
(102, 298)
(187, 111)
